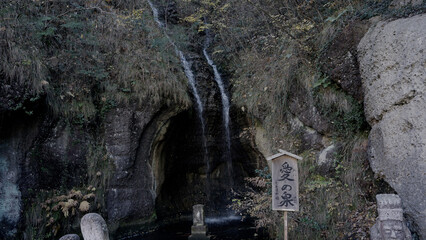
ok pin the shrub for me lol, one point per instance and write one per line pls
(335, 206)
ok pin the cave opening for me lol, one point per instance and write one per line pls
(181, 177)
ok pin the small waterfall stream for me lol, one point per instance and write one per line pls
(225, 109)
(190, 75)
(217, 157)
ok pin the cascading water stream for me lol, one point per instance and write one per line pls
(155, 14)
(190, 75)
(225, 109)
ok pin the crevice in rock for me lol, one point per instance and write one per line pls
(406, 99)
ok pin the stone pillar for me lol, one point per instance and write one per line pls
(199, 228)
(70, 237)
(390, 223)
(94, 227)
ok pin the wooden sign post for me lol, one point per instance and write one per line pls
(285, 184)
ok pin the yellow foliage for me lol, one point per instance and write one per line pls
(191, 19)
(75, 194)
(305, 25)
(225, 7)
(84, 206)
(204, 27)
(88, 196)
(210, 3)
(137, 14)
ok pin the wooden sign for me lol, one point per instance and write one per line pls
(285, 181)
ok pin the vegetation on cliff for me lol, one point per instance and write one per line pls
(80, 59)
(83, 58)
(295, 61)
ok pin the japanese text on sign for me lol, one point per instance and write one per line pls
(285, 182)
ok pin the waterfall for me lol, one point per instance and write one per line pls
(225, 108)
(191, 79)
(155, 14)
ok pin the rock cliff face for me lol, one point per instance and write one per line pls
(146, 160)
(392, 63)
(142, 160)
(157, 156)
(16, 138)
(36, 152)
(130, 190)
(153, 160)
(10, 195)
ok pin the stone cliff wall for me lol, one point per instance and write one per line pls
(392, 62)
(149, 146)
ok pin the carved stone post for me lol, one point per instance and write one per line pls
(199, 228)
(390, 223)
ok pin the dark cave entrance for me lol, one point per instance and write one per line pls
(180, 171)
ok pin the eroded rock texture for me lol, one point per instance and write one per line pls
(16, 138)
(36, 153)
(392, 62)
(128, 136)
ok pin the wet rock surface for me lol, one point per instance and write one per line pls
(37, 153)
(16, 138)
(158, 156)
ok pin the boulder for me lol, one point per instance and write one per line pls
(70, 237)
(392, 59)
(94, 227)
(326, 158)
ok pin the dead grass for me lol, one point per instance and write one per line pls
(333, 206)
(20, 63)
(333, 99)
(77, 53)
(145, 69)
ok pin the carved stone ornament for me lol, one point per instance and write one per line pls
(390, 223)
